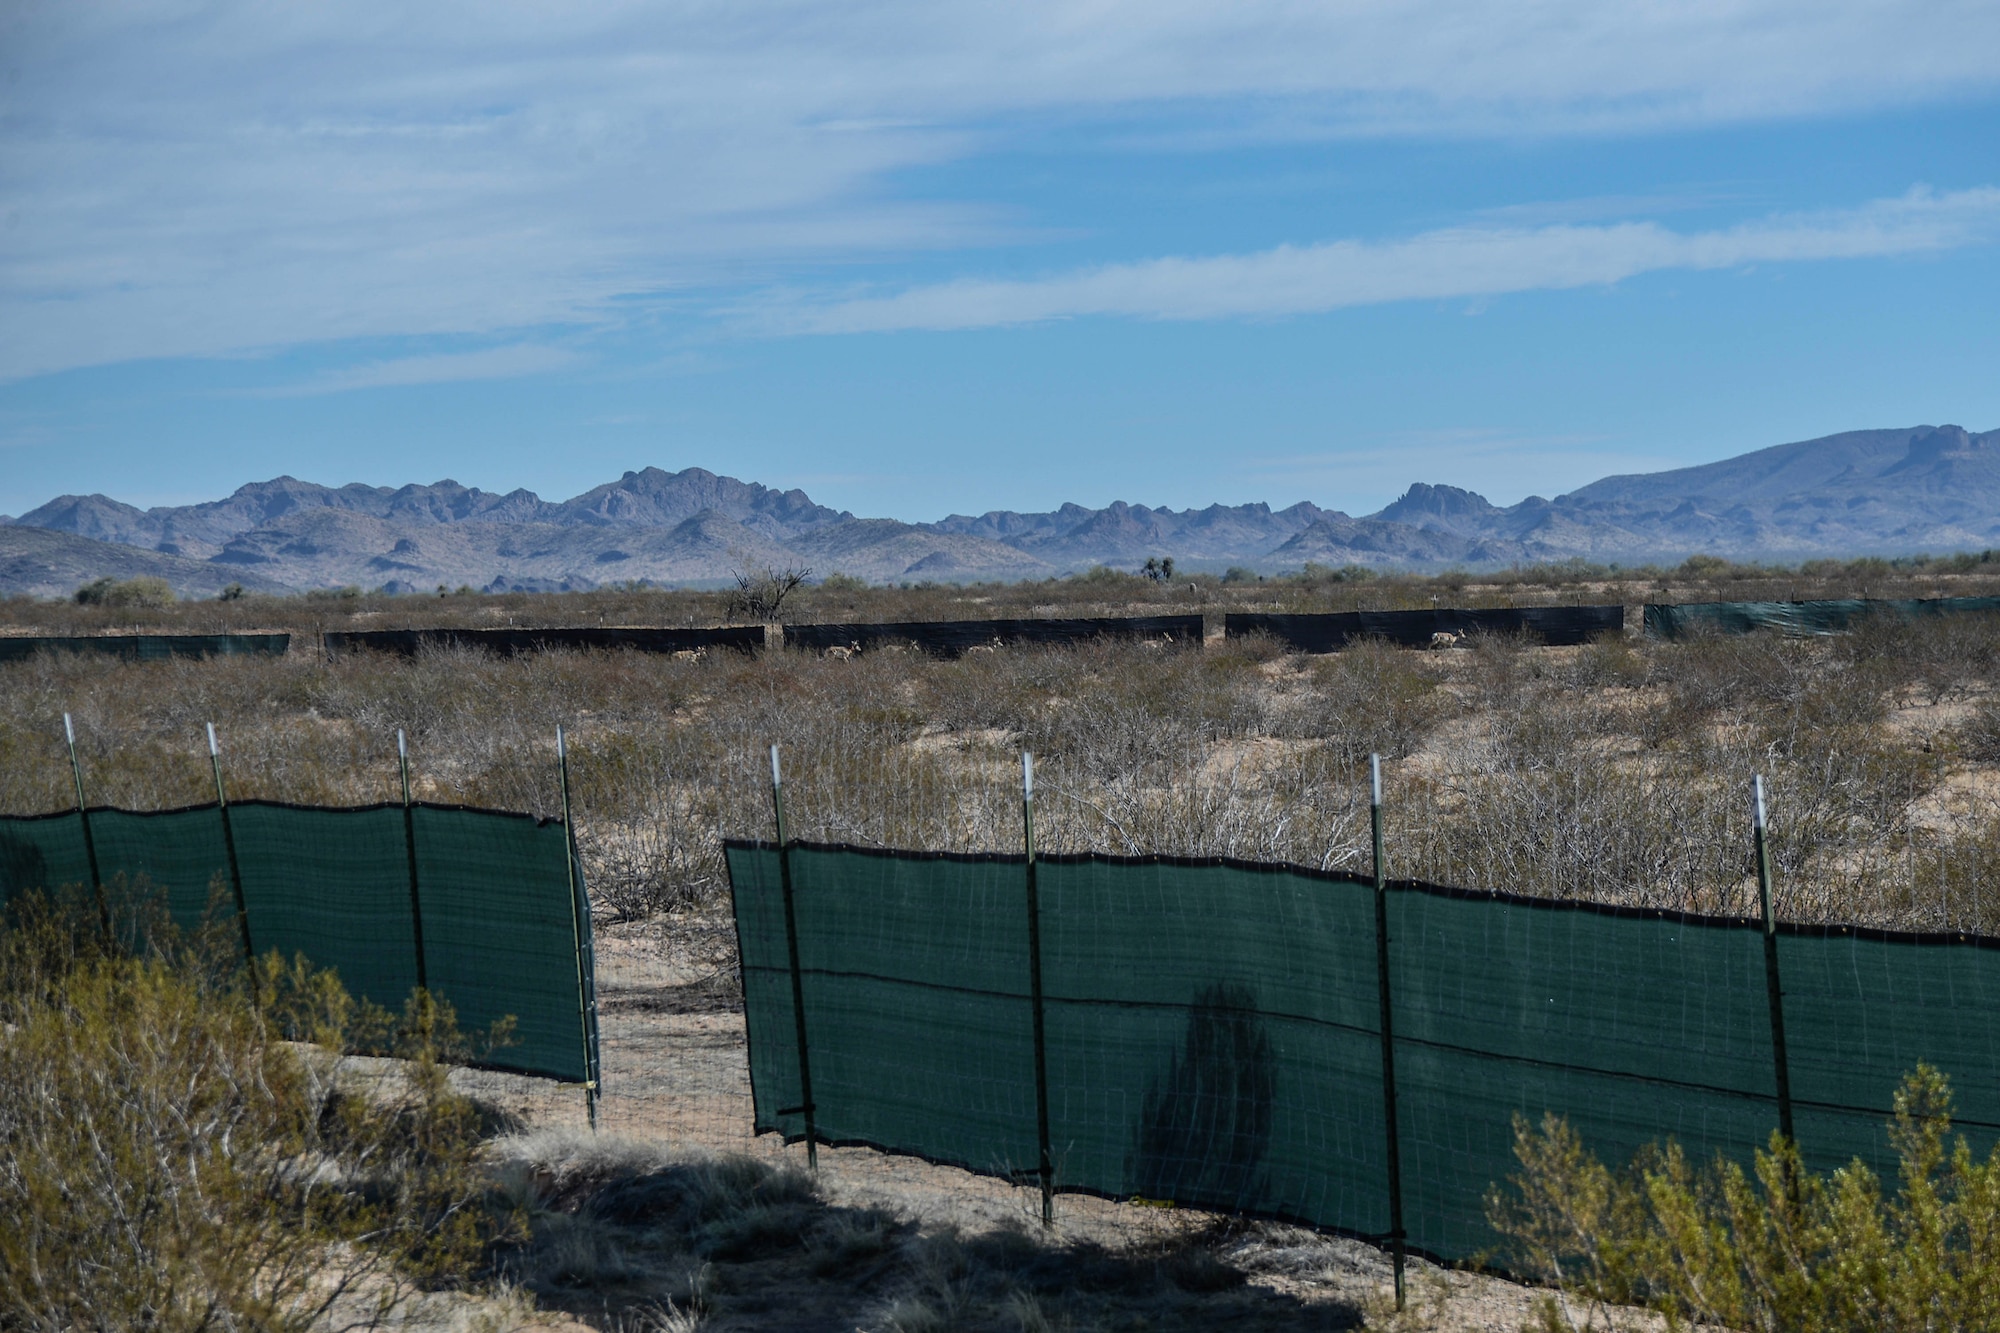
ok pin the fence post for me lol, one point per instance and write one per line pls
(579, 924)
(1776, 993)
(1046, 1167)
(229, 847)
(89, 842)
(806, 1106)
(1391, 1131)
(410, 843)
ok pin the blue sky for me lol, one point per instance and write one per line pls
(927, 258)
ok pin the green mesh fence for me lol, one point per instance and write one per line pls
(145, 647)
(1670, 621)
(1212, 1030)
(494, 902)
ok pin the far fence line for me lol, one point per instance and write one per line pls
(1829, 616)
(145, 647)
(514, 642)
(1555, 626)
(954, 638)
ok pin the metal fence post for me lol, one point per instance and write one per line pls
(229, 847)
(1775, 991)
(579, 923)
(1391, 1131)
(410, 843)
(89, 841)
(1046, 1166)
(806, 1106)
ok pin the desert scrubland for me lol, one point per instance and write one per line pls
(1616, 771)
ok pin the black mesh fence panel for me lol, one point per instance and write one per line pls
(950, 638)
(145, 647)
(514, 642)
(1554, 626)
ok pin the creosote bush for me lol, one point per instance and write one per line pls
(141, 592)
(174, 1159)
(1776, 1249)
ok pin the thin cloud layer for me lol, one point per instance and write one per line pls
(490, 363)
(186, 180)
(1453, 263)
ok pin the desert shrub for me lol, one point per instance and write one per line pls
(1372, 698)
(1791, 687)
(1611, 659)
(1774, 1248)
(1254, 649)
(144, 591)
(1941, 657)
(1978, 737)
(1313, 572)
(173, 1164)
(760, 593)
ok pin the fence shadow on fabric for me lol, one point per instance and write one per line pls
(1213, 1028)
(1205, 1125)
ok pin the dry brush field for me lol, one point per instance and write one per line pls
(1617, 771)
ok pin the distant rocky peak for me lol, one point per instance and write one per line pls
(1445, 507)
(1941, 440)
(1932, 447)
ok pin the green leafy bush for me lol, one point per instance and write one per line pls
(174, 1163)
(1770, 1249)
(125, 593)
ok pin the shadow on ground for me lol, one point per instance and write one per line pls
(626, 1236)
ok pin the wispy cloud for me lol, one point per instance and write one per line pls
(491, 363)
(1451, 263)
(238, 175)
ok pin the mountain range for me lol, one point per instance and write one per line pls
(1919, 488)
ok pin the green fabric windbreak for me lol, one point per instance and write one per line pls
(145, 647)
(333, 885)
(1635, 1026)
(915, 976)
(501, 934)
(1862, 1007)
(1213, 1037)
(1833, 616)
(1212, 1029)
(494, 898)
